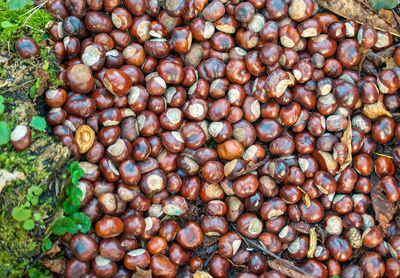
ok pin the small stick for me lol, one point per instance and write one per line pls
(252, 168)
(255, 245)
(209, 258)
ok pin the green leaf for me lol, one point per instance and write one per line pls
(1, 104)
(37, 190)
(21, 214)
(63, 225)
(76, 192)
(32, 92)
(38, 123)
(69, 188)
(74, 167)
(46, 65)
(29, 225)
(71, 205)
(46, 244)
(76, 172)
(384, 4)
(82, 221)
(6, 24)
(35, 200)
(37, 216)
(16, 5)
(5, 132)
(34, 273)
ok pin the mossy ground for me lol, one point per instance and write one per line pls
(43, 162)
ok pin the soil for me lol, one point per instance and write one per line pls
(41, 164)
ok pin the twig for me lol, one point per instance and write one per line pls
(252, 168)
(16, 87)
(269, 253)
(38, 7)
(36, 29)
(380, 154)
(209, 258)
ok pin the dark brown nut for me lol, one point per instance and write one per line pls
(158, 48)
(137, 258)
(289, 37)
(98, 22)
(79, 78)
(229, 244)
(94, 56)
(83, 247)
(268, 130)
(171, 72)
(312, 214)
(20, 137)
(322, 44)
(270, 241)
(277, 83)
(109, 227)
(299, 10)
(26, 48)
(213, 11)
(117, 82)
(367, 36)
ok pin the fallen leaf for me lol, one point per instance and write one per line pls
(210, 240)
(142, 273)
(383, 4)
(57, 265)
(281, 267)
(313, 243)
(358, 11)
(346, 139)
(305, 197)
(44, 75)
(238, 265)
(379, 58)
(388, 16)
(55, 249)
(301, 227)
(325, 160)
(201, 274)
(7, 177)
(384, 209)
(376, 110)
(390, 63)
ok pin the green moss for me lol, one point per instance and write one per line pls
(17, 245)
(15, 24)
(39, 164)
(28, 22)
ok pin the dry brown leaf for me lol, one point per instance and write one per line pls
(313, 243)
(55, 249)
(57, 265)
(142, 273)
(387, 16)
(301, 227)
(6, 177)
(376, 110)
(359, 11)
(384, 209)
(210, 240)
(390, 63)
(346, 139)
(305, 197)
(201, 274)
(281, 267)
(325, 160)
(238, 265)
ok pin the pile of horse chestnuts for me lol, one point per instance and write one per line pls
(251, 113)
